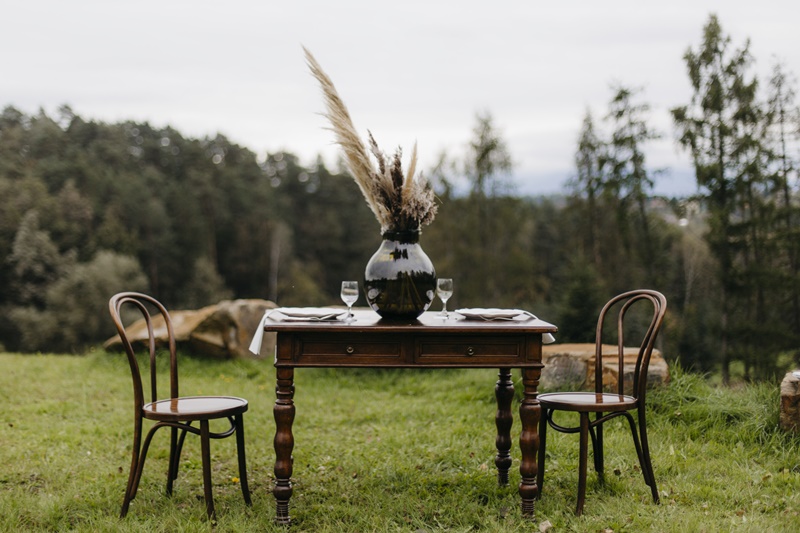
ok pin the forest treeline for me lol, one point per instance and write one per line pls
(90, 208)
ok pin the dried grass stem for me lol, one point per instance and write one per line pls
(399, 201)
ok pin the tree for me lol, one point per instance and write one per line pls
(74, 316)
(589, 181)
(35, 263)
(611, 192)
(582, 300)
(488, 162)
(721, 129)
(206, 286)
(323, 225)
(629, 182)
(484, 235)
(782, 140)
(71, 221)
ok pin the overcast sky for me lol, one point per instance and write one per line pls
(411, 70)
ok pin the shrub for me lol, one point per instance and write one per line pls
(76, 305)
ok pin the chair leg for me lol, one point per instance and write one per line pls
(637, 444)
(179, 449)
(584, 456)
(242, 459)
(129, 492)
(172, 470)
(542, 449)
(142, 456)
(206, 459)
(175, 457)
(141, 453)
(597, 450)
(647, 465)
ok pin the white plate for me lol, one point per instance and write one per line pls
(492, 313)
(310, 313)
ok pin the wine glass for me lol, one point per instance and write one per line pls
(444, 290)
(349, 297)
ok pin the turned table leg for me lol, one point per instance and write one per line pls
(529, 413)
(504, 392)
(284, 443)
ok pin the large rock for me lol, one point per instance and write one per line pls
(790, 402)
(571, 366)
(223, 330)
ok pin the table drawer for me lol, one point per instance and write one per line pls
(378, 349)
(471, 350)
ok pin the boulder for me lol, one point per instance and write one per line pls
(790, 402)
(223, 330)
(571, 366)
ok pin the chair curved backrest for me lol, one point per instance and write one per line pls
(144, 303)
(617, 308)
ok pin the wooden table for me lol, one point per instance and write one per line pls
(427, 342)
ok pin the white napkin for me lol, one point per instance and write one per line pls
(547, 338)
(255, 345)
(503, 314)
(293, 313)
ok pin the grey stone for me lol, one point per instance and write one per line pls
(571, 366)
(790, 402)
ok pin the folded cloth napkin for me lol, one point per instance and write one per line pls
(294, 313)
(255, 344)
(502, 314)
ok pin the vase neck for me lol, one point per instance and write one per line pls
(405, 236)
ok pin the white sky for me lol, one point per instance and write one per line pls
(411, 70)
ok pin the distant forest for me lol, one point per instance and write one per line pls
(90, 208)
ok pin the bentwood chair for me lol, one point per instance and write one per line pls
(604, 405)
(174, 412)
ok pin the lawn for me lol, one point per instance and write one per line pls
(399, 450)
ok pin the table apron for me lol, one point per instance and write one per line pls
(406, 351)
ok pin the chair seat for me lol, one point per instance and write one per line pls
(587, 401)
(194, 408)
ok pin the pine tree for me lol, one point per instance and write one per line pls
(721, 128)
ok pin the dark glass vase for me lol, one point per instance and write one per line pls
(400, 281)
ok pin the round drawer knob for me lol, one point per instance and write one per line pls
(350, 350)
(470, 350)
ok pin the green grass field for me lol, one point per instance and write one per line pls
(399, 450)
